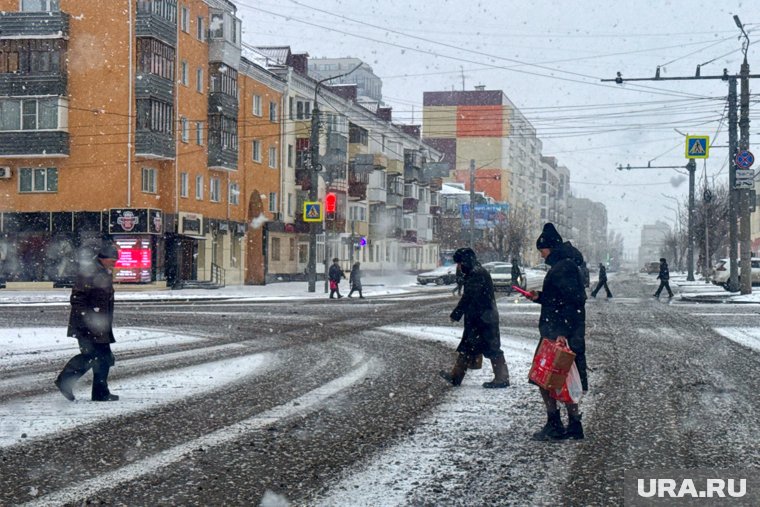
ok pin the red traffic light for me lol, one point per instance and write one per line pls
(331, 201)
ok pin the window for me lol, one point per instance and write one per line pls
(183, 72)
(185, 19)
(155, 116)
(275, 249)
(292, 250)
(273, 202)
(273, 111)
(223, 79)
(216, 28)
(290, 204)
(223, 132)
(257, 105)
(40, 5)
(234, 194)
(29, 114)
(183, 183)
(199, 80)
(149, 180)
(155, 57)
(201, 29)
(165, 9)
(32, 56)
(290, 155)
(199, 187)
(273, 157)
(256, 145)
(199, 133)
(290, 107)
(185, 129)
(38, 180)
(214, 189)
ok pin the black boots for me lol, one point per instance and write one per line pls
(574, 427)
(500, 372)
(64, 385)
(457, 372)
(552, 430)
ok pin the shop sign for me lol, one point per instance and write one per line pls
(134, 262)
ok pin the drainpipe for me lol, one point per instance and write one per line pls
(129, 104)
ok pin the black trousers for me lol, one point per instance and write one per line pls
(357, 288)
(599, 287)
(663, 285)
(97, 356)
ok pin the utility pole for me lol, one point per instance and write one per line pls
(314, 168)
(744, 194)
(472, 204)
(733, 233)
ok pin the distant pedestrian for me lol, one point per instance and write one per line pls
(515, 273)
(664, 278)
(563, 318)
(355, 280)
(602, 282)
(334, 275)
(481, 324)
(460, 282)
(91, 323)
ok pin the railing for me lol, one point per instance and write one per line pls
(217, 275)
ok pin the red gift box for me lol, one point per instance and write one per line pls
(551, 365)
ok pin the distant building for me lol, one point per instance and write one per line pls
(588, 221)
(652, 238)
(369, 86)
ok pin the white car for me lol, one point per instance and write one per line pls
(722, 270)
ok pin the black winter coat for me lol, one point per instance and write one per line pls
(481, 317)
(92, 301)
(355, 279)
(563, 296)
(664, 272)
(602, 274)
(336, 273)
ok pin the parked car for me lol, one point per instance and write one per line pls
(444, 275)
(651, 268)
(722, 270)
(501, 274)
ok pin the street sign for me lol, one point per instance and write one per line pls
(697, 146)
(744, 159)
(312, 211)
(744, 178)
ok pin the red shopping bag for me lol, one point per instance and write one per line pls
(571, 390)
(333, 285)
(551, 364)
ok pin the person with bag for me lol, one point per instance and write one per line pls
(481, 324)
(334, 276)
(355, 280)
(664, 278)
(563, 318)
(602, 282)
(91, 323)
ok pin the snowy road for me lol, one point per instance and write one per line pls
(337, 403)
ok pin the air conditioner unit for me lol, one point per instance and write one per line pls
(5, 172)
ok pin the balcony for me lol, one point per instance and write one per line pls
(149, 24)
(30, 25)
(410, 204)
(393, 199)
(18, 85)
(303, 178)
(221, 103)
(151, 86)
(34, 143)
(222, 50)
(357, 189)
(395, 167)
(375, 194)
(222, 158)
(154, 145)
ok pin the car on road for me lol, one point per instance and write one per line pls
(444, 275)
(722, 270)
(651, 268)
(501, 274)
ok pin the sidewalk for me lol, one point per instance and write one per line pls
(700, 291)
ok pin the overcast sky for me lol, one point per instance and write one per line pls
(549, 57)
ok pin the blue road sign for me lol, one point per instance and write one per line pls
(697, 146)
(312, 211)
(744, 159)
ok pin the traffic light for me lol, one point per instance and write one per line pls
(331, 201)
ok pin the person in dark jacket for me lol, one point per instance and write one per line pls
(334, 276)
(664, 278)
(515, 273)
(460, 282)
(602, 282)
(481, 323)
(91, 323)
(563, 317)
(355, 280)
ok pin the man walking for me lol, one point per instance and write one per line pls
(602, 282)
(334, 275)
(664, 278)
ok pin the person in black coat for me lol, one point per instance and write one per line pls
(91, 323)
(664, 278)
(563, 317)
(481, 323)
(602, 282)
(459, 280)
(515, 273)
(335, 274)
(355, 280)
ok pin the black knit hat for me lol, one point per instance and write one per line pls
(549, 237)
(108, 251)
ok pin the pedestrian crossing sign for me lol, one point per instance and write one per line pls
(312, 211)
(697, 146)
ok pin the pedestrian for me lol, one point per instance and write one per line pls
(602, 282)
(563, 318)
(481, 324)
(335, 274)
(664, 278)
(355, 280)
(515, 273)
(91, 323)
(460, 282)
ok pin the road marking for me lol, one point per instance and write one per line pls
(746, 336)
(153, 464)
